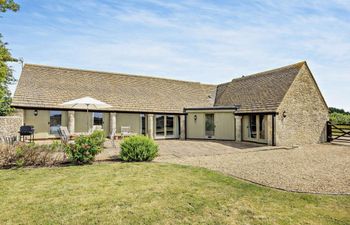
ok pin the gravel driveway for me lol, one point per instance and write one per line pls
(321, 168)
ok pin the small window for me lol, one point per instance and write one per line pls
(98, 118)
(252, 125)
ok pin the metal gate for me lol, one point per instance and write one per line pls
(338, 132)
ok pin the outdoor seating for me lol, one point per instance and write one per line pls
(9, 140)
(26, 130)
(64, 134)
(96, 127)
(126, 132)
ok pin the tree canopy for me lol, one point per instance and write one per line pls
(6, 73)
(336, 110)
(8, 5)
(339, 116)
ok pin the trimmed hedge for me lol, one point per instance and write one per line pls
(138, 148)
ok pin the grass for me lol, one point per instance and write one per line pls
(153, 193)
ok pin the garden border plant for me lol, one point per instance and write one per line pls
(85, 148)
(138, 148)
(21, 154)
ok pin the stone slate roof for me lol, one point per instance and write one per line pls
(261, 92)
(48, 87)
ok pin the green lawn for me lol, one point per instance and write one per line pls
(148, 193)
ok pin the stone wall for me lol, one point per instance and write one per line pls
(9, 125)
(303, 114)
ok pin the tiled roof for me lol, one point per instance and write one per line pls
(45, 86)
(261, 92)
(48, 87)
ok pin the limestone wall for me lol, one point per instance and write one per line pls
(302, 116)
(9, 125)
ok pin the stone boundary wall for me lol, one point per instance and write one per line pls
(9, 125)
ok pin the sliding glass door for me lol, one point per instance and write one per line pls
(209, 125)
(170, 126)
(165, 126)
(55, 121)
(160, 125)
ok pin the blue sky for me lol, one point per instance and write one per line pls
(206, 41)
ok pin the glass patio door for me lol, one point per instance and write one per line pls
(160, 131)
(55, 121)
(209, 125)
(252, 126)
(165, 126)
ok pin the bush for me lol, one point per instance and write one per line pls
(98, 137)
(138, 148)
(21, 154)
(85, 148)
(340, 118)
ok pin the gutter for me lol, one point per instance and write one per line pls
(234, 107)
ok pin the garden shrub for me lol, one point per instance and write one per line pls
(98, 137)
(85, 148)
(138, 148)
(22, 154)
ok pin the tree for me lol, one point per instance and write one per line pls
(8, 5)
(6, 73)
(336, 110)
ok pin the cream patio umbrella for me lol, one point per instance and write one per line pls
(86, 103)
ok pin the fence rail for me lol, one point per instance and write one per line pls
(338, 132)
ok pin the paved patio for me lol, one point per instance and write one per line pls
(321, 168)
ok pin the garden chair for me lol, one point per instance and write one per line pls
(125, 131)
(95, 127)
(64, 134)
(9, 140)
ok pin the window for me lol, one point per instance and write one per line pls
(143, 124)
(98, 118)
(160, 125)
(209, 125)
(262, 126)
(169, 125)
(252, 125)
(55, 121)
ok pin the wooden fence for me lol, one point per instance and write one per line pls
(338, 132)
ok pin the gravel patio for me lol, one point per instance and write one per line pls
(321, 168)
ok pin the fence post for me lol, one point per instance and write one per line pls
(329, 131)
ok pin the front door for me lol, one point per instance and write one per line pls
(209, 125)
